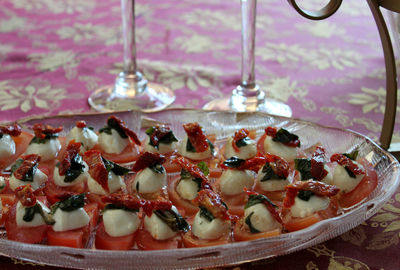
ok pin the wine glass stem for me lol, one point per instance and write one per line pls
(248, 8)
(128, 33)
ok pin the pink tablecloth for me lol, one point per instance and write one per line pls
(55, 53)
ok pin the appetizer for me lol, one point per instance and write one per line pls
(160, 140)
(240, 145)
(279, 142)
(195, 145)
(314, 168)
(26, 171)
(83, 134)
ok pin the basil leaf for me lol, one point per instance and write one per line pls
(168, 138)
(304, 167)
(204, 168)
(150, 131)
(198, 181)
(349, 172)
(284, 136)
(212, 148)
(114, 125)
(28, 177)
(112, 206)
(31, 211)
(43, 141)
(76, 168)
(248, 222)
(305, 195)
(269, 174)
(157, 168)
(173, 219)
(1, 135)
(137, 186)
(206, 214)
(234, 162)
(114, 167)
(72, 203)
(190, 147)
(106, 130)
(353, 155)
(243, 142)
(185, 174)
(256, 199)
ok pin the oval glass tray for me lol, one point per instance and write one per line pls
(222, 124)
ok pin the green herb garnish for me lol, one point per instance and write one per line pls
(256, 199)
(305, 195)
(269, 174)
(112, 124)
(46, 139)
(203, 167)
(353, 155)
(243, 142)
(72, 203)
(114, 167)
(284, 136)
(76, 168)
(173, 219)
(206, 214)
(234, 162)
(248, 222)
(168, 138)
(112, 206)
(28, 177)
(37, 208)
(157, 168)
(304, 167)
(349, 172)
(190, 147)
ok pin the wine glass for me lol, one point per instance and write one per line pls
(131, 90)
(248, 96)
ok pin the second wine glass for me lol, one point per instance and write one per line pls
(131, 90)
(248, 97)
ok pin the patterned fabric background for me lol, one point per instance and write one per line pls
(53, 54)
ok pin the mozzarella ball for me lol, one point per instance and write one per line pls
(37, 218)
(47, 151)
(261, 219)
(187, 189)
(59, 180)
(158, 229)
(245, 152)
(115, 182)
(148, 181)
(194, 155)
(7, 146)
(38, 179)
(87, 137)
(232, 182)
(70, 220)
(204, 229)
(271, 184)
(163, 148)
(342, 179)
(279, 149)
(112, 144)
(303, 208)
(119, 222)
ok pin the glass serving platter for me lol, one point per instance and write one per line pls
(222, 124)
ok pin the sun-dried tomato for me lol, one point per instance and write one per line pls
(271, 131)
(72, 150)
(81, 124)
(42, 130)
(291, 194)
(160, 204)
(318, 171)
(348, 163)
(25, 195)
(271, 207)
(147, 159)
(239, 135)
(97, 169)
(12, 130)
(317, 187)
(159, 133)
(196, 136)
(213, 202)
(29, 162)
(127, 200)
(121, 124)
(63, 195)
(283, 136)
(253, 164)
(194, 170)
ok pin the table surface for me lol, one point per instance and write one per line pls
(53, 54)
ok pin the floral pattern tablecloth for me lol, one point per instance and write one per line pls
(53, 54)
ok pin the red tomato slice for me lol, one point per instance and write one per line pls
(73, 238)
(295, 224)
(7, 201)
(52, 190)
(191, 241)
(105, 241)
(235, 203)
(145, 241)
(129, 154)
(272, 195)
(185, 207)
(30, 235)
(242, 233)
(363, 189)
(21, 143)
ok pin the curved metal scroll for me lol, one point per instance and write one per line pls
(321, 14)
(391, 76)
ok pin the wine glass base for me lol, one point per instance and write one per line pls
(270, 106)
(154, 98)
